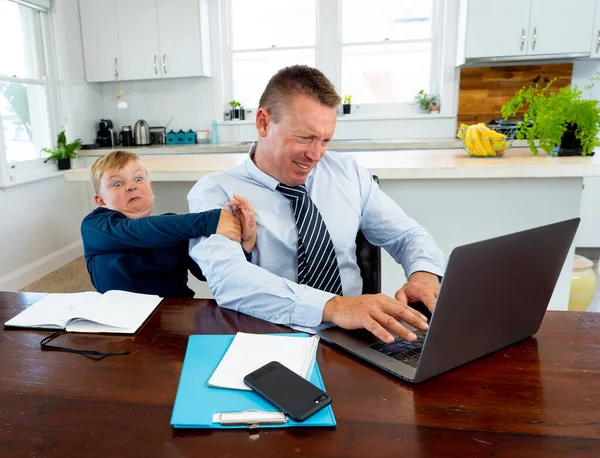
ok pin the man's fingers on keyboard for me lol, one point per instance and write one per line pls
(391, 323)
(378, 331)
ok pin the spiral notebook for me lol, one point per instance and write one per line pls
(249, 352)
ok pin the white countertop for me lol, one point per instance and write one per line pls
(400, 164)
(243, 147)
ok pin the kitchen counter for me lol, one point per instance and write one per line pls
(388, 165)
(242, 147)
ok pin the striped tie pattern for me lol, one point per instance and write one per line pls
(317, 264)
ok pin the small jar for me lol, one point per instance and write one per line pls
(583, 284)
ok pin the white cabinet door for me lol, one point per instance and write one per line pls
(595, 49)
(99, 29)
(138, 39)
(560, 26)
(180, 38)
(497, 29)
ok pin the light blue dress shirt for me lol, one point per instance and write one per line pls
(348, 200)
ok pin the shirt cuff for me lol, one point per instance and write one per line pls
(424, 266)
(310, 302)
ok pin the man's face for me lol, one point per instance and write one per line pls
(295, 145)
(127, 190)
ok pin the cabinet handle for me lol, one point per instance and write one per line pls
(165, 64)
(155, 69)
(598, 42)
(522, 38)
(116, 68)
(534, 38)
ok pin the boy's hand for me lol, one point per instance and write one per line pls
(229, 226)
(245, 213)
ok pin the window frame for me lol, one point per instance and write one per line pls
(19, 173)
(328, 56)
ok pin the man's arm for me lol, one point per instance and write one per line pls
(108, 231)
(243, 286)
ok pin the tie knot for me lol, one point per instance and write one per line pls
(292, 191)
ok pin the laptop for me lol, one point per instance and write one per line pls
(494, 293)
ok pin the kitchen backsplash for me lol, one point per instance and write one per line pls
(483, 91)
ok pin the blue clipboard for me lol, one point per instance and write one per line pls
(196, 403)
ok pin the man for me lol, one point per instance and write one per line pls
(309, 207)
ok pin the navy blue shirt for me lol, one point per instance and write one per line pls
(146, 255)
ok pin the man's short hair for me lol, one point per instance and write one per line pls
(295, 80)
(113, 160)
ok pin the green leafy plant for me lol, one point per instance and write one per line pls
(63, 149)
(425, 100)
(348, 99)
(234, 104)
(548, 115)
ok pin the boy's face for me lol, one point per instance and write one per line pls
(127, 190)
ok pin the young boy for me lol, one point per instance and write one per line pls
(127, 249)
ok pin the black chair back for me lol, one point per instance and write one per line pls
(368, 258)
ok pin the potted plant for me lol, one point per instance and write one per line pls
(64, 152)
(347, 104)
(234, 109)
(425, 100)
(561, 121)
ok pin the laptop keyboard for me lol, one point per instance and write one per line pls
(402, 350)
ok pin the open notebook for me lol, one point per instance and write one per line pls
(114, 311)
(249, 352)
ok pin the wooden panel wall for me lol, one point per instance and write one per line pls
(484, 90)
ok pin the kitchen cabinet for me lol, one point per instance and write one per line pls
(100, 33)
(145, 39)
(524, 29)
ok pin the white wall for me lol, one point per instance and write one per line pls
(188, 100)
(39, 229)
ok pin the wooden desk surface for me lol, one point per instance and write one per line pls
(539, 398)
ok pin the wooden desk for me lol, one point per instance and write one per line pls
(539, 398)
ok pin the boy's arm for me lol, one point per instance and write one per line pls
(106, 230)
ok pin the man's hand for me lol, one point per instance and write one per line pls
(229, 226)
(245, 213)
(420, 287)
(374, 313)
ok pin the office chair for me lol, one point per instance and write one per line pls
(368, 258)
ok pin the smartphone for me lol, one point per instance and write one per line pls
(294, 395)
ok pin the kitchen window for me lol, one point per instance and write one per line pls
(264, 36)
(26, 90)
(382, 52)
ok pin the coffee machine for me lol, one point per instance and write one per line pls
(106, 136)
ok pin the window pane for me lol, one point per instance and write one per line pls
(385, 73)
(252, 71)
(379, 20)
(24, 120)
(260, 24)
(19, 41)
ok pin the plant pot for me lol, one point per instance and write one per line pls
(346, 107)
(64, 164)
(570, 145)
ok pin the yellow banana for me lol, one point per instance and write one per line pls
(470, 141)
(485, 140)
(477, 144)
(499, 145)
(462, 130)
(490, 132)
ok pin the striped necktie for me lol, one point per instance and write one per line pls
(317, 264)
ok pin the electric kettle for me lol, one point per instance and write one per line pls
(141, 133)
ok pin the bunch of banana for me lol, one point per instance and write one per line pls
(482, 141)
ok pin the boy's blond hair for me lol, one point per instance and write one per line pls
(113, 160)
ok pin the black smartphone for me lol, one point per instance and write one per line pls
(294, 395)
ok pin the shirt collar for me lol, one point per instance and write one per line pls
(261, 177)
